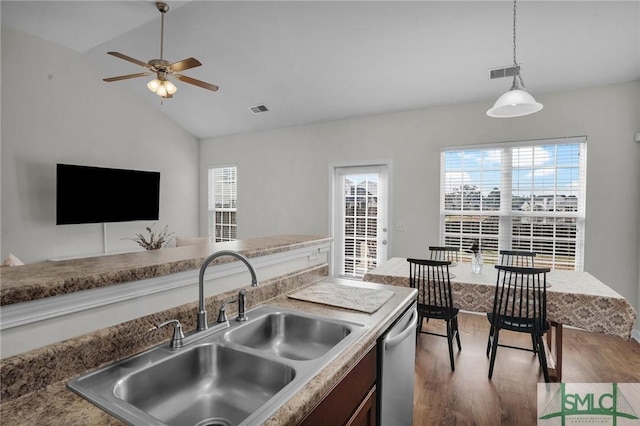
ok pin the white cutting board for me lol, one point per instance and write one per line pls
(345, 296)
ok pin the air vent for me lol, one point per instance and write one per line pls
(502, 72)
(258, 109)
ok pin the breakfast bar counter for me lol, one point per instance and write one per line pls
(52, 278)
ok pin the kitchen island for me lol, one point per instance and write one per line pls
(54, 404)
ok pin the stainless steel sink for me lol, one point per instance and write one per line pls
(234, 374)
(290, 335)
(207, 385)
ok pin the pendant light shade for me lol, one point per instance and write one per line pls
(517, 101)
(514, 103)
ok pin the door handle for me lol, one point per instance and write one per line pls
(411, 328)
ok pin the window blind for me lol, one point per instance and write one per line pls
(222, 202)
(520, 196)
(360, 232)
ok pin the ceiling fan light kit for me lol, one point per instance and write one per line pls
(517, 101)
(163, 88)
(161, 85)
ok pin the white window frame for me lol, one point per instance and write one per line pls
(222, 200)
(506, 216)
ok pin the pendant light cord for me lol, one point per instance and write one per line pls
(516, 73)
(515, 62)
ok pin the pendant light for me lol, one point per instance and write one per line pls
(517, 101)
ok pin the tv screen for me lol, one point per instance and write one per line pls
(87, 194)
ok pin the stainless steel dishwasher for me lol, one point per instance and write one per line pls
(397, 349)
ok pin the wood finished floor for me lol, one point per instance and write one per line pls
(468, 397)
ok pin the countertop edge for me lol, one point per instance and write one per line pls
(36, 281)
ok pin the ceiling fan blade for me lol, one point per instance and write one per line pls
(185, 64)
(125, 77)
(195, 82)
(130, 59)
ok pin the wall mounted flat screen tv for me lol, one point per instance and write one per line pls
(86, 194)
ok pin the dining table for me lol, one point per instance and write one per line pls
(574, 298)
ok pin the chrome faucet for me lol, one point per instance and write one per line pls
(202, 313)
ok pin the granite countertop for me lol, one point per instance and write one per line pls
(51, 278)
(57, 405)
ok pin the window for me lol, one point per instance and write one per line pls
(517, 196)
(223, 196)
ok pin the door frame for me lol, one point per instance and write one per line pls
(332, 204)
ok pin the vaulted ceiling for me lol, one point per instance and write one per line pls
(314, 61)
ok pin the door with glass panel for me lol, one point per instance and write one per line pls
(359, 219)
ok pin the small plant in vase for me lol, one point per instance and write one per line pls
(476, 257)
(155, 239)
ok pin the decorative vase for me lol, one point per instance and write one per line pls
(476, 262)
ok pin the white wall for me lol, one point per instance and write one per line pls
(283, 181)
(56, 108)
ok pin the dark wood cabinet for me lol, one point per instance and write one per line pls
(365, 415)
(352, 401)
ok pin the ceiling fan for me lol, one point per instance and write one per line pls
(161, 85)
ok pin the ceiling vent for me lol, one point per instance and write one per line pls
(502, 72)
(258, 109)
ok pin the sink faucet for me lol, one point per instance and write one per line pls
(202, 313)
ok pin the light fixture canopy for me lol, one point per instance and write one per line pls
(517, 101)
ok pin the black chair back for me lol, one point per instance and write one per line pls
(444, 253)
(523, 259)
(520, 302)
(431, 279)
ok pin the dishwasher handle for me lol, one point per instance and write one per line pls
(411, 328)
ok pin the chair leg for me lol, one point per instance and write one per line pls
(542, 357)
(450, 343)
(491, 331)
(534, 344)
(457, 331)
(494, 349)
(419, 326)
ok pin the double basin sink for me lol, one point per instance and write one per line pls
(231, 374)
